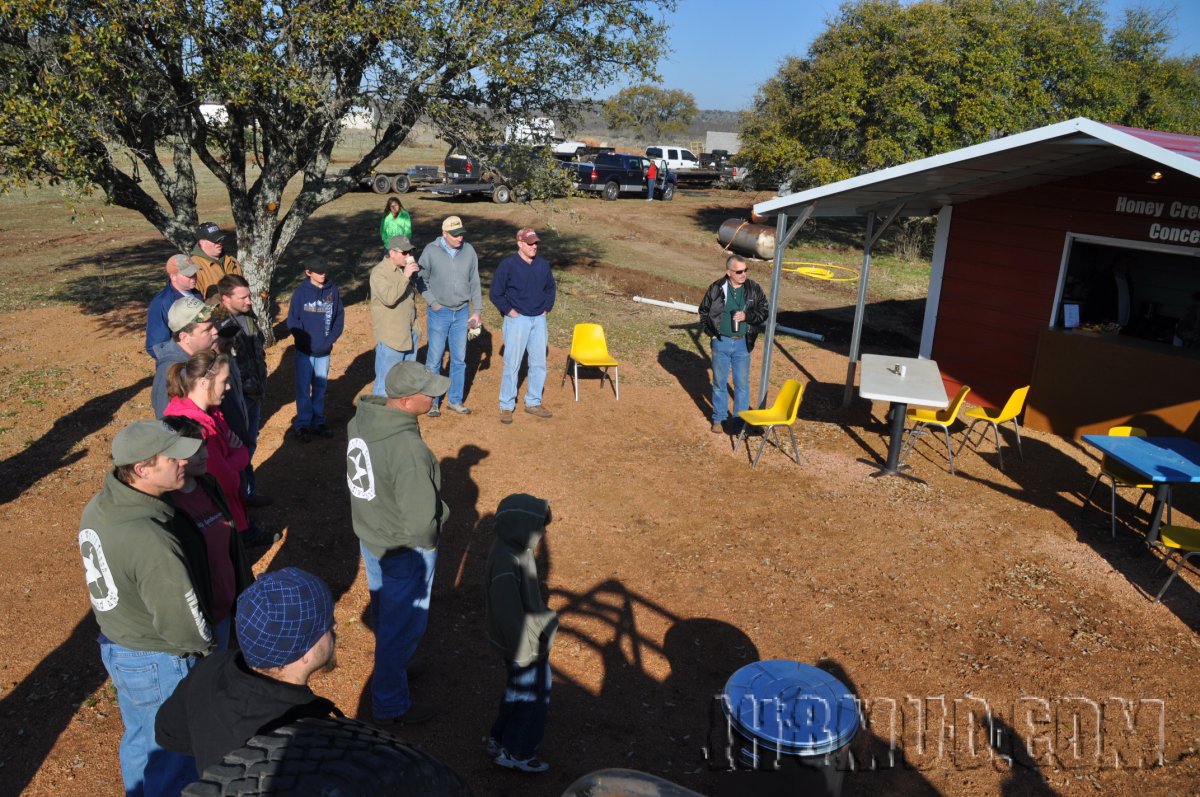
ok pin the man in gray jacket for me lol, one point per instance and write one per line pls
(146, 567)
(450, 284)
(397, 510)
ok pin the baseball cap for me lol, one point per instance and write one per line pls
(281, 616)
(411, 377)
(400, 242)
(139, 441)
(188, 310)
(317, 264)
(181, 264)
(209, 231)
(453, 225)
(528, 235)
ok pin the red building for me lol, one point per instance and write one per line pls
(1067, 258)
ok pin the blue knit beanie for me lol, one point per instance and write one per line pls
(281, 615)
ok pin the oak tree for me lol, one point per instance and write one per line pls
(649, 111)
(101, 92)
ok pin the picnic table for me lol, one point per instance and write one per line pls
(901, 381)
(1162, 461)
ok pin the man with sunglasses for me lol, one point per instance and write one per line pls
(523, 291)
(734, 308)
(394, 309)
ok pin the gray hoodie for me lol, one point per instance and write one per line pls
(520, 625)
(394, 479)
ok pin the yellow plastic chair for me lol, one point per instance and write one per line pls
(926, 418)
(589, 349)
(1009, 412)
(782, 413)
(1177, 540)
(1121, 476)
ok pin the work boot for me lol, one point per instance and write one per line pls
(539, 411)
(506, 416)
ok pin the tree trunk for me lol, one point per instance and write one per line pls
(259, 264)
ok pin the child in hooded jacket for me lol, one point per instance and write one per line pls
(522, 627)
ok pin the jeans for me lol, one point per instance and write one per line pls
(650, 188)
(144, 680)
(442, 326)
(726, 352)
(525, 333)
(386, 357)
(400, 584)
(312, 377)
(253, 421)
(521, 723)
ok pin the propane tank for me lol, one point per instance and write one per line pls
(754, 240)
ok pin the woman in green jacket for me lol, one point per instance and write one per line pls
(396, 221)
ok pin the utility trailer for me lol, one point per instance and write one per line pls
(401, 182)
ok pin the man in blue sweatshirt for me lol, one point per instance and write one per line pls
(523, 291)
(315, 319)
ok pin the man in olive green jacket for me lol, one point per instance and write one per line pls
(397, 510)
(394, 309)
(146, 567)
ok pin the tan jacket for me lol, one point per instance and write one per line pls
(209, 271)
(393, 306)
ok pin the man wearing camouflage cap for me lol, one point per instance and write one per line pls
(285, 628)
(181, 281)
(190, 322)
(147, 576)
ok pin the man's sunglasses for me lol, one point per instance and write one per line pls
(731, 271)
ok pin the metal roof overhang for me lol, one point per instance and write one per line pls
(1067, 149)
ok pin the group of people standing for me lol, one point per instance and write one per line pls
(203, 655)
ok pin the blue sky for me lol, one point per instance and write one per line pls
(722, 51)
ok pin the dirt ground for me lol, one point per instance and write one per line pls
(954, 606)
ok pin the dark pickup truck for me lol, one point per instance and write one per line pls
(611, 174)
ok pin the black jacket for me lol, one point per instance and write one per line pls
(713, 305)
(222, 703)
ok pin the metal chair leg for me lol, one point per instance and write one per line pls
(999, 448)
(576, 379)
(907, 448)
(1175, 572)
(1017, 429)
(741, 436)
(1112, 512)
(761, 446)
(949, 450)
(795, 448)
(1087, 499)
(967, 436)
(617, 381)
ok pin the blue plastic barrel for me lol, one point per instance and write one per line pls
(793, 721)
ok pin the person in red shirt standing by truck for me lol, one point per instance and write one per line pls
(651, 179)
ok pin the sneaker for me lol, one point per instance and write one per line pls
(417, 713)
(541, 412)
(531, 764)
(258, 500)
(434, 412)
(323, 430)
(302, 434)
(506, 416)
(461, 409)
(718, 428)
(493, 746)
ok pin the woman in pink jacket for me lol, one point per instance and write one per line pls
(196, 388)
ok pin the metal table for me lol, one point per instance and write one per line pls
(902, 381)
(1162, 461)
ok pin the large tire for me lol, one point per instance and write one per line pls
(381, 184)
(501, 194)
(401, 184)
(612, 190)
(327, 756)
(668, 192)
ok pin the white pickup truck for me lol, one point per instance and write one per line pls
(684, 163)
